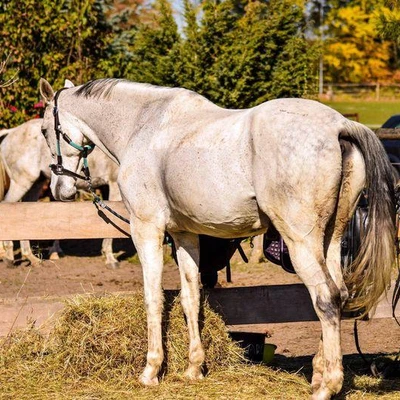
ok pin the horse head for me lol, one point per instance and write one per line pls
(68, 145)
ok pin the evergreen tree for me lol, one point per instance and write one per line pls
(246, 51)
(153, 47)
(188, 57)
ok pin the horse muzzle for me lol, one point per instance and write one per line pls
(63, 189)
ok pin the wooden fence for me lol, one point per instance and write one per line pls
(84, 220)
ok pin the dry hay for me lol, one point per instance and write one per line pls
(97, 349)
(107, 335)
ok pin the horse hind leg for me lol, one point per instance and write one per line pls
(353, 182)
(27, 254)
(107, 252)
(55, 250)
(351, 186)
(309, 262)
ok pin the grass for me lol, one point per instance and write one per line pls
(371, 113)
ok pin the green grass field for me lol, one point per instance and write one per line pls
(371, 113)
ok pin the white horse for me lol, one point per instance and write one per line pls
(26, 158)
(189, 167)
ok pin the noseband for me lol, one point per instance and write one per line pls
(58, 169)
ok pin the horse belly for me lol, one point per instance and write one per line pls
(227, 221)
(214, 200)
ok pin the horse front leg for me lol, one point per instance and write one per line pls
(26, 252)
(148, 240)
(28, 190)
(188, 255)
(7, 253)
(107, 252)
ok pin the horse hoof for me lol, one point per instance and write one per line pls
(322, 394)
(54, 256)
(10, 263)
(146, 381)
(113, 265)
(193, 374)
(32, 261)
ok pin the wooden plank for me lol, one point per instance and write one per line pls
(58, 220)
(262, 304)
(272, 304)
(354, 116)
(386, 133)
(83, 220)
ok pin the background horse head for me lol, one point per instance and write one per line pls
(189, 167)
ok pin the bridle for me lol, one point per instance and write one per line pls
(58, 169)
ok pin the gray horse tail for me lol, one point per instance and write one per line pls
(369, 276)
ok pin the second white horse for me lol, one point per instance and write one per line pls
(26, 158)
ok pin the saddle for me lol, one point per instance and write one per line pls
(276, 251)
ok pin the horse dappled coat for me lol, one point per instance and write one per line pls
(189, 167)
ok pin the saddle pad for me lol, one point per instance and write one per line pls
(276, 251)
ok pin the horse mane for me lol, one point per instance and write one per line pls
(98, 88)
(104, 87)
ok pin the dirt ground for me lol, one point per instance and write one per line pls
(34, 294)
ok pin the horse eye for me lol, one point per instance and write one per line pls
(44, 132)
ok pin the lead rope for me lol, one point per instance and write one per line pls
(98, 201)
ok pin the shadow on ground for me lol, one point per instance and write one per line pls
(358, 374)
(124, 248)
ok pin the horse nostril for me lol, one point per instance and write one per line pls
(68, 196)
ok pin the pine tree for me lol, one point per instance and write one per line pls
(247, 50)
(153, 47)
(188, 57)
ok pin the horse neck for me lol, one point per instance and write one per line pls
(112, 123)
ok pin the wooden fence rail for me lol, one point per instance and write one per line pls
(58, 220)
(386, 133)
(83, 220)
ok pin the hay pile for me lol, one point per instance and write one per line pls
(97, 349)
(107, 336)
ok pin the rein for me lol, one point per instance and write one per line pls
(58, 169)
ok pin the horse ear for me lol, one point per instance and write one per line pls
(68, 84)
(46, 90)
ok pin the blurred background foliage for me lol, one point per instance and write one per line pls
(237, 53)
